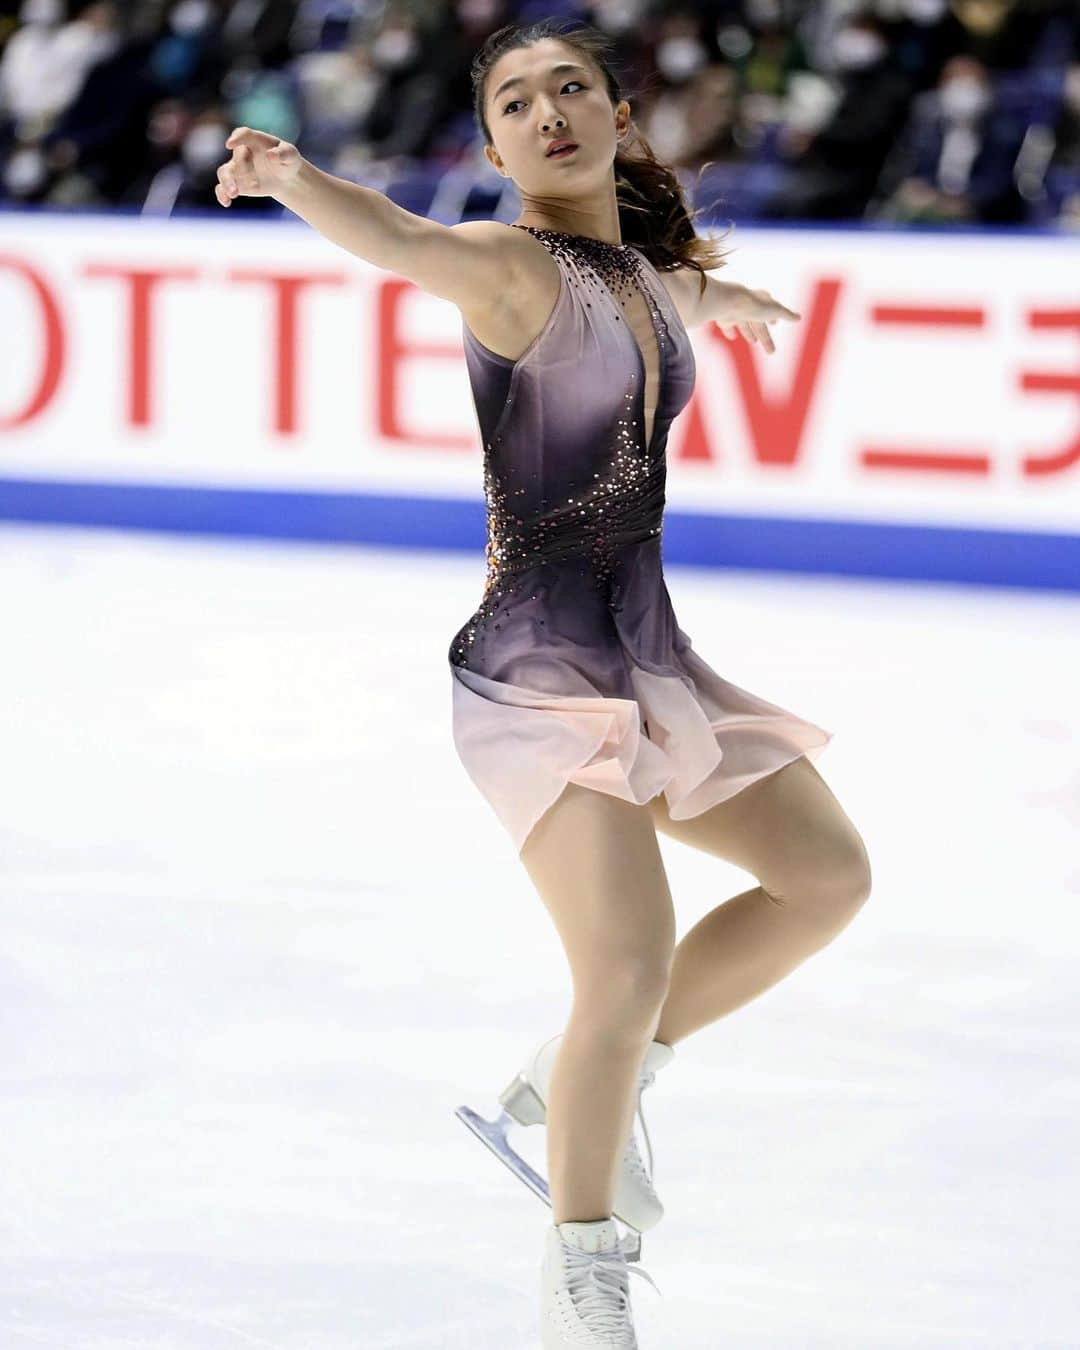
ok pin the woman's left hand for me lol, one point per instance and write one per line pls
(755, 312)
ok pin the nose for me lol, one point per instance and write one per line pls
(553, 120)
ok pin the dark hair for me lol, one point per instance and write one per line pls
(653, 214)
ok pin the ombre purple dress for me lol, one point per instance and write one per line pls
(573, 668)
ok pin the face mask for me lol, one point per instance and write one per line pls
(734, 41)
(763, 12)
(679, 57)
(617, 16)
(189, 17)
(924, 11)
(963, 99)
(204, 147)
(394, 47)
(25, 171)
(45, 12)
(857, 48)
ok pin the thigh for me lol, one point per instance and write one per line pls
(787, 829)
(596, 863)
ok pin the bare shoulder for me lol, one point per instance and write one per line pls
(458, 262)
(503, 281)
(513, 305)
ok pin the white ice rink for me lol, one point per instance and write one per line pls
(261, 935)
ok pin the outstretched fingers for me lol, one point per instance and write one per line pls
(753, 330)
(226, 188)
(762, 335)
(237, 175)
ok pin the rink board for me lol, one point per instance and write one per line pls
(228, 376)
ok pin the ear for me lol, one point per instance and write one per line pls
(622, 118)
(492, 157)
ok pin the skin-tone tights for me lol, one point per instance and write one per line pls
(595, 861)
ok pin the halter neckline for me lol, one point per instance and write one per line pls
(565, 234)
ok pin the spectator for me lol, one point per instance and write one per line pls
(680, 57)
(187, 56)
(98, 140)
(955, 162)
(922, 35)
(405, 110)
(837, 110)
(190, 181)
(1067, 130)
(1011, 34)
(46, 60)
(1063, 175)
(773, 52)
(695, 121)
(833, 171)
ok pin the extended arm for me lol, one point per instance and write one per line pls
(456, 262)
(733, 307)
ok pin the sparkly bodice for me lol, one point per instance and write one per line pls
(574, 669)
(575, 430)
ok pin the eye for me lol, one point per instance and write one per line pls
(565, 86)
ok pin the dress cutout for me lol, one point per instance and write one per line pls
(573, 667)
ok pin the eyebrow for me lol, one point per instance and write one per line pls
(517, 79)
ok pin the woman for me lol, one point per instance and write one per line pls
(580, 709)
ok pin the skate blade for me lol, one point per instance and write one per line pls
(493, 1133)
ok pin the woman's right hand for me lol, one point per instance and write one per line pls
(261, 166)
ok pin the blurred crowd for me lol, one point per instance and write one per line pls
(901, 110)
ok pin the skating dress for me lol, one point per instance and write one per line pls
(573, 668)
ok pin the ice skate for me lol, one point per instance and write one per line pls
(524, 1102)
(585, 1288)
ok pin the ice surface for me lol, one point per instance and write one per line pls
(261, 936)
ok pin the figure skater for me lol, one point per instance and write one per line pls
(580, 709)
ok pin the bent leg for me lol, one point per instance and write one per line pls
(788, 830)
(596, 864)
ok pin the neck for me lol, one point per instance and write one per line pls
(599, 221)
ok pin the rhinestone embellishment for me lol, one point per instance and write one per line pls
(623, 501)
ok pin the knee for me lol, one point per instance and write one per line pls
(853, 879)
(832, 886)
(625, 993)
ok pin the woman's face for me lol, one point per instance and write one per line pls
(554, 94)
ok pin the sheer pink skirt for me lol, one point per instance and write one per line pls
(692, 735)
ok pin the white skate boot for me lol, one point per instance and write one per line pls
(585, 1288)
(524, 1102)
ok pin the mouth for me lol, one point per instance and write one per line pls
(562, 151)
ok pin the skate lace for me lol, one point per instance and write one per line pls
(599, 1287)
